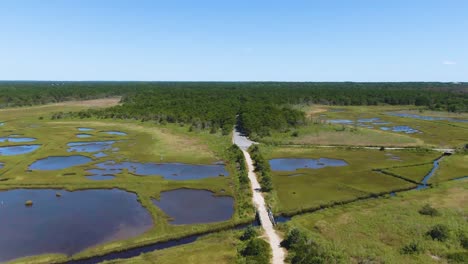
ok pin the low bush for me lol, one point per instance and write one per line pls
(429, 210)
(412, 248)
(439, 232)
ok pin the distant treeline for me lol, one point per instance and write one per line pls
(261, 106)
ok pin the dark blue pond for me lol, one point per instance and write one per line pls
(90, 146)
(67, 224)
(189, 206)
(429, 118)
(170, 171)
(117, 133)
(291, 164)
(59, 163)
(17, 150)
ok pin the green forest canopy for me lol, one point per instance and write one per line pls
(261, 106)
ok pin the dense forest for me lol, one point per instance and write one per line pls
(260, 106)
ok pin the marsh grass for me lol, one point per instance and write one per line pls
(144, 142)
(378, 230)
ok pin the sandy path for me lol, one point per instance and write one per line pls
(259, 202)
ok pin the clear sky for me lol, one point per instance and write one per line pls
(238, 40)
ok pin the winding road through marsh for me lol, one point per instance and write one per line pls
(259, 202)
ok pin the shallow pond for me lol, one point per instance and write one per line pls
(17, 150)
(90, 146)
(100, 174)
(170, 171)
(429, 118)
(405, 129)
(85, 129)
(291, 164)
(2, 165)
(100, 155)
(16, 139)
(82, 135)
(67, 224)
(59, 162)
(117, 133)
(341, 121)
(190, 206)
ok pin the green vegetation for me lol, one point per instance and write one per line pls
(214, 105)
(391, 230)
(253, 250)
(451, 167)
(144, 142)
(262, 168)
(413, 173)
(311, 189)
(433, 133)
(303, 250)
(427, 209)
(214, 248)
(192, 122)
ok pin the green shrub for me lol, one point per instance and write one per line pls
(249, 233)
(412, 248)
(464, 240)
(459, 257)
(257, 251)
(429, 210)
(439, 232)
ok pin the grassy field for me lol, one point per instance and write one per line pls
(215, 248)
(414, 173)
(144, 142)
(451, 167)
(317, 131)
(375, 231)
(315, 187)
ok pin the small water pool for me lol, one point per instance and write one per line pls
(100, 174)
(90, 146)
(190, 206)
(85, 129)
(405, 129)
(428, 118)
(292, 164)
(117, 133)
(17, 150)
(16, 139)
(59, 162)
(83, 135)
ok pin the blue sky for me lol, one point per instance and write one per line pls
(347, 40)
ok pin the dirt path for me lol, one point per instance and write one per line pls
(259, 202)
